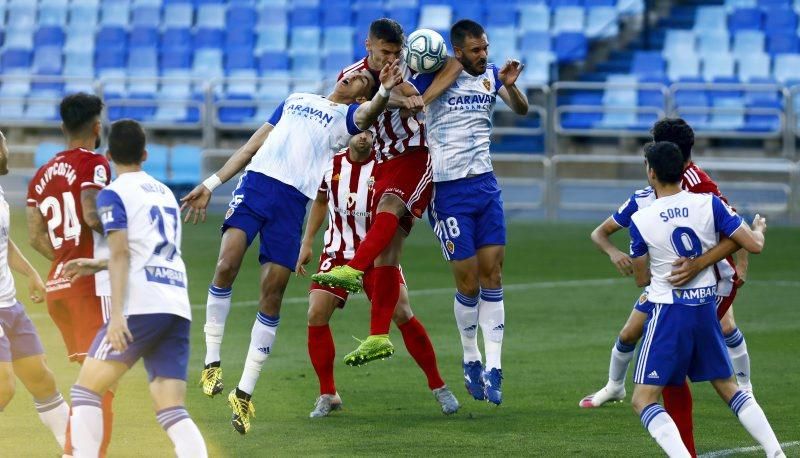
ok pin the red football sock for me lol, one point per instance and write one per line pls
(322, 352)
(368, 280)
(384, 299)
(378, 237)
(421, 349)
(678, 404)
(108, 419)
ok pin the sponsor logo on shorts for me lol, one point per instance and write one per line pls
(451, 247)
(695, 296)
(165, 276)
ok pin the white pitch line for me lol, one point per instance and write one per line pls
(734, 451)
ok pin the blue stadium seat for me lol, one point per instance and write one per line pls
(334, 62)
(537, 67)
(780, 20)
(305, 17)
(144, 37)
(47, 60)
(115, 13)
(177, 84)
(273, 61)
(19, 39)
(728, 114)
(681, 66)
(207, 63)
(648, 64)
(717, 66)
(601, 22)
(534, 18)
(242, 82)
(208, 38)
(211, 16)
(563, 3)
(735, 4)
(49, 36)
(504, 41)
(240, 38)
(157, 161)
(143, 59)
(21, 16)
(110, 58)
(79, 63)
(474, 9)
(678, 42)
(242, 17)
(176, 38)
(272, 16)
(748, 42)
(275, 39)
(713, 42)
(239, 60)
(365, 15)
(79, 40)
(535, 42)
(334, 15)
(501, 17)
(620, 103)
(52, 14)
(568, 19)
(786, 67)
(178, 15)
(146, 16)
(782, 43)
(596, 3)
(112, 37)
(305, 39)
(15, 59)
(113, 80)
(570, 47)
(407, 15)
(306, 66)
(755, 67)
(745, 19)
(337, 39)
(42, 106)
(186, 164)
(174, 59)
(711, 18)
(436, 17)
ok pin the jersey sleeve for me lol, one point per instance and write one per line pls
(623, 215)
(95, 172)
(638, 245)
(276, 115)
(497, 82)
(352, 128)
(726, 220)
(112, 211)
(422, 81)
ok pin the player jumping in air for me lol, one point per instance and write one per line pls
(150, 314)
(63, 224)
(284, 161)
(403, 183)
(677, 400)
(345, 196)
(467, 208)
(682, 335)
(21, 351)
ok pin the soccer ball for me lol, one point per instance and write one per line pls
(425, 51)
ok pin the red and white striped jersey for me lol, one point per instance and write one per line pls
(349, 186)
(393, 133)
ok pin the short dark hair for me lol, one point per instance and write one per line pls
(387, 30)
(463, 29)
(666, 160)
(677, 131)
(78, 111)
(126, 142)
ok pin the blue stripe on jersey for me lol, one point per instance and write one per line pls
(649, 413)
(276, 115)
(352, 128)
(271, 321)
(111, 210)
(725, 219)
(497, 83)
(638, 245)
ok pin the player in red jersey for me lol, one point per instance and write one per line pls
(345, 196)
(403, 186)
(63, 224)
(678, 399)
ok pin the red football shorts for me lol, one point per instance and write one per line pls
(79, 319)
(409, 177)
(326, 263)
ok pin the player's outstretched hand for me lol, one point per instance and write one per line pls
(82, 267)
(759, 223)
(118, 334)
(195, 204)
(684, 270)
(510, 72)
(303, 259)
(36, 288)
(623, 263)
(390, 75)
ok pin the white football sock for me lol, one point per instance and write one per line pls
(755, 422)
(737, 350)
(218, 304)
(183, 432)
(261, 339)
(54, 413)
(465, 309)
(86, 424)
(621, 356)
(491, 316)
(661, 427)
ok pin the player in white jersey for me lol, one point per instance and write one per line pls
(472, 230)
(284, 162)
(21, 351)
(150, 312)
(683, 336)
(345, 196)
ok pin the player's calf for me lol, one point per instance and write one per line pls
(7, 384)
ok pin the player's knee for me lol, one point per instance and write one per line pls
(317, 317)
(392, 204)
(493, 278)
(42, 384)
(7, 390)
(629, 336)
(639, 402)
(728, 325)
(225, 273)
(402, 314)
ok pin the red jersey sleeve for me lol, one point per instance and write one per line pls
(697, 181)
(94, 172)
(32, 197)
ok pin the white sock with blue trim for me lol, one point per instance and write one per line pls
(86, 423)
(261, 340)
(492, 317)
(661, 427)
(737, 350)
(218, 304)
(755, 422)
(465, 309)
(54, 413)
(621, 356)
(183, 432)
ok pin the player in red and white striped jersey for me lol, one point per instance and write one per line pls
(345, 196)
(403, 187)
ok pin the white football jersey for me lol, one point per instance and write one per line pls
(681, 225)
(157, 280)
(7, 291)
(459, 124)
(309, 130)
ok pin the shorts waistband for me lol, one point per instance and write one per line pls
(289, 188)
(469, 179)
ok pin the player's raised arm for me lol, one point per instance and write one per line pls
(20, 264)
(37, 233)
(640, 257)
(444, 78)
(197, 200)
(510, 93)
(319, 209)
(367, 113)
(601, 236)
(751, 239)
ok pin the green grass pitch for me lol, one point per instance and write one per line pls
(560, 328)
